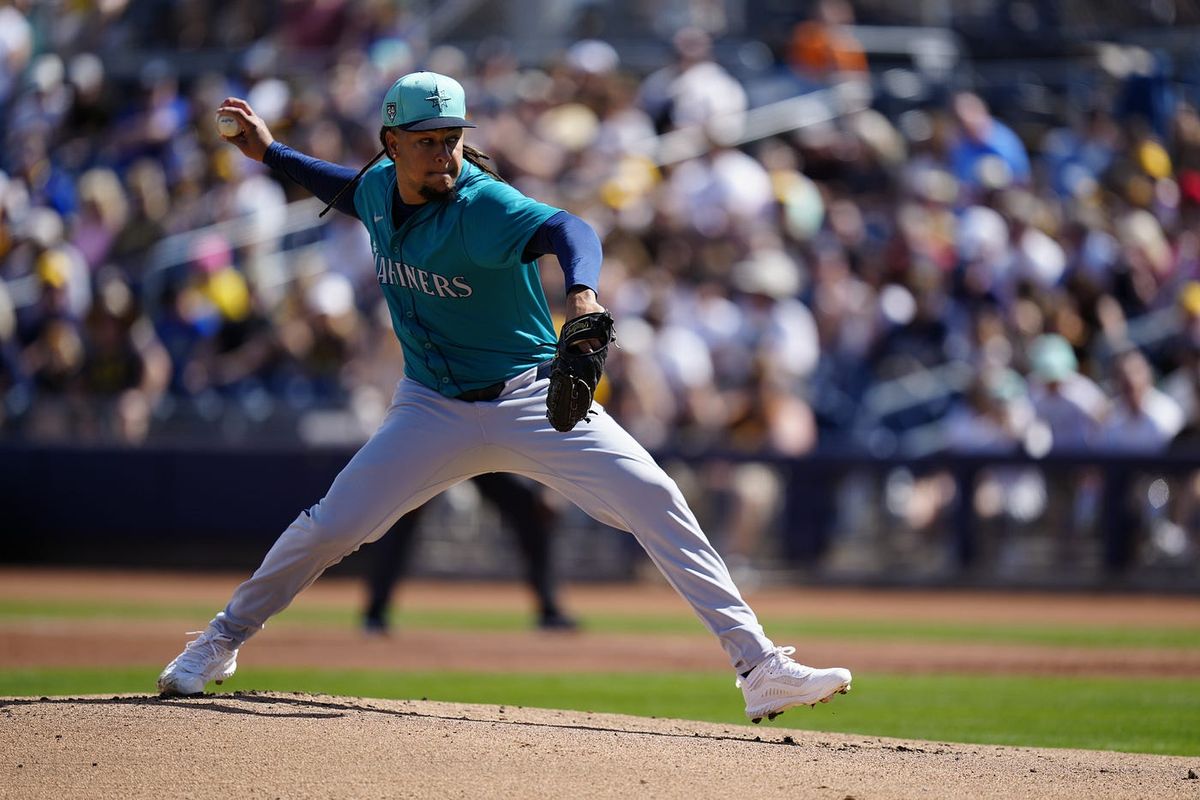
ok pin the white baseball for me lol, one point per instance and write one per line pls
(228, 126)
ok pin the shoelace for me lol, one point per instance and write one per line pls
(784, 654)
(195, 653)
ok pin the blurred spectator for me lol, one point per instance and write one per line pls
(16, 47)
(1079, 153)
(145, 224)
(997, 418)
(994, 416)
(102, 215)
(64, 286)
(125, 369)
(53, 351)
(91, 109)
(765, 417)
(313, 25)
(218, 281)
(43, 179)
(762, 366)
(1147, 93)
(1071, 408)
(149, 124)
(1071, 405)
(1148, 261)
(824, 47)
(1143, 419)
(720, 192)
(988, 154)
(695, 91)
(1183, 383)
(184, 323)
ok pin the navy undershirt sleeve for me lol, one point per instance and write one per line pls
(575, 244)
(321, 178)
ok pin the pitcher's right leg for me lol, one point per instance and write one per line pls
(423, 446)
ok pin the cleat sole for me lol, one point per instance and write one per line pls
(771, 715)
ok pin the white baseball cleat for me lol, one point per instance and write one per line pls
(209, 657)
(779, 683)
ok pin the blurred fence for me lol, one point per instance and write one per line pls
(1064, 521)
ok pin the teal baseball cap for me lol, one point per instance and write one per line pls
(425, 101)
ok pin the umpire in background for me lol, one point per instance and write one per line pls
(527, 517)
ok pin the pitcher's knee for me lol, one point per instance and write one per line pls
(655, 494)
(315, 529)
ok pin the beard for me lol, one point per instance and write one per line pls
(432, 193)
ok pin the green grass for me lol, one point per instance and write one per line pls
(1089, 713)
(781, 628)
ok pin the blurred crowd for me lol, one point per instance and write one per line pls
(955, 275)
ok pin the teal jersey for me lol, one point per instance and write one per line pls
(468, 311)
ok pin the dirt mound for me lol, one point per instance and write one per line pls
(299, 746)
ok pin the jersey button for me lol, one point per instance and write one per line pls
(428, 346)
(445, 380)
(409, 314)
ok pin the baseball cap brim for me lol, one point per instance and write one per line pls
(436, 123)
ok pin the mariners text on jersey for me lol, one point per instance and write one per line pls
(391, 273)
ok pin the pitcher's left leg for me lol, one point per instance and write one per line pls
(603, 470)
(610, 476)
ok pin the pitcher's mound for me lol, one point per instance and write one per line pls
(250, 744)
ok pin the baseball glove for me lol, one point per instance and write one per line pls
(574, 373)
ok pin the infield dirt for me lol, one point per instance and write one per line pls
(310, 746)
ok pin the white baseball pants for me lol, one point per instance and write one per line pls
(428, 442)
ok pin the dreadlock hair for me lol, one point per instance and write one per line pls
(477, 157)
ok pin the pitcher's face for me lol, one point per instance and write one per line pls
(427, 162)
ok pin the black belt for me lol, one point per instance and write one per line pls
(488, 393)
(482, 395)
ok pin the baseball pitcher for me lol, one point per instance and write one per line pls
(488, 386)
